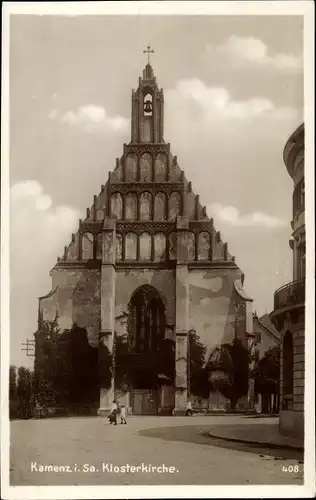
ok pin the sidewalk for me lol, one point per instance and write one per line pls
(260, 434)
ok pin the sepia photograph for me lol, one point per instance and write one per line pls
(157, 250)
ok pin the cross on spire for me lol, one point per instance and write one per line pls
(148, 52)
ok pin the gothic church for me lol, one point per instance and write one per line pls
(147, 262)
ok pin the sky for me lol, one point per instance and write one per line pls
(233, 90)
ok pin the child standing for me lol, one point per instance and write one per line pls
(123, 415)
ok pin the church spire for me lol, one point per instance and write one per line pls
(148, 71)
(147, 107)
(148, 52)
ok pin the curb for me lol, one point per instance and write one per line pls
(259, 444)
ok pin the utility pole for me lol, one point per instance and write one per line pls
(29, 348)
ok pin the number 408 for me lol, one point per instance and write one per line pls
(290, 468)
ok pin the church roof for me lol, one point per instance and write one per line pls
(241, 292)
(147, 194)
(266, 323)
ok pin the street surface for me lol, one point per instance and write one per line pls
(89, 451)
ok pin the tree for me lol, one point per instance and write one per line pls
(24, 392)
(13, 401)
(198, 375)
(66, 367)
(234, 363)
(267, 372)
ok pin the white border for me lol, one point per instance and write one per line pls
(303, 8)
(149, 8)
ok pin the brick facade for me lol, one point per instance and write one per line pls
(147, 228)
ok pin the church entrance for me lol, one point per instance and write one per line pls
(153, 356)
(145, 401)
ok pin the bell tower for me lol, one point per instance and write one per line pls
(147, 108)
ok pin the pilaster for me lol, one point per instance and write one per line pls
(107, 306)
(182, 311)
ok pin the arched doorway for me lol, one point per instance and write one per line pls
(288, 371)
(153, 356)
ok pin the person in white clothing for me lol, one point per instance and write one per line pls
(113, 414)
(189, 410)
(123, 415)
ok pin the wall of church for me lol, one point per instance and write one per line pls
(76, 297)
(117, 173)
(156, 247)
(128, 280)
(82, 248)
(213, 305)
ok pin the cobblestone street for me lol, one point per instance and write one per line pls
(177, 442)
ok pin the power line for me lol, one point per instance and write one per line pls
(28, 347)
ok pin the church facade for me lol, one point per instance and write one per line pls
(147, 263)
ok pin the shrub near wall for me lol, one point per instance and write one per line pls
(21, 393)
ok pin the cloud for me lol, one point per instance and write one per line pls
(213, 103)
(251, 50)
(31, 192)
(232, 216)
(43, 229)
(38, 233)
(91, 119)
(53, 114)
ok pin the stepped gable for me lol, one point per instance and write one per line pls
(146, 193)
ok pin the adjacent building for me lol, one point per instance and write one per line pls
(289, 301)
(265, 346)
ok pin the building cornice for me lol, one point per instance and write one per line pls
(293, 146)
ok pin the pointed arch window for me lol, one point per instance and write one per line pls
(160, 208)
(173, 246)
(145, 206)
(131, 206)
(131, 167)
(174, 205)
(204, 246)
(145, 247)
(147, 320)
(119, 247)
(99, 242)
(191, 246)
(116, 206)
(160, 247)
(87, 246)
(146, 165)
(130, 246)
(161, 164)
